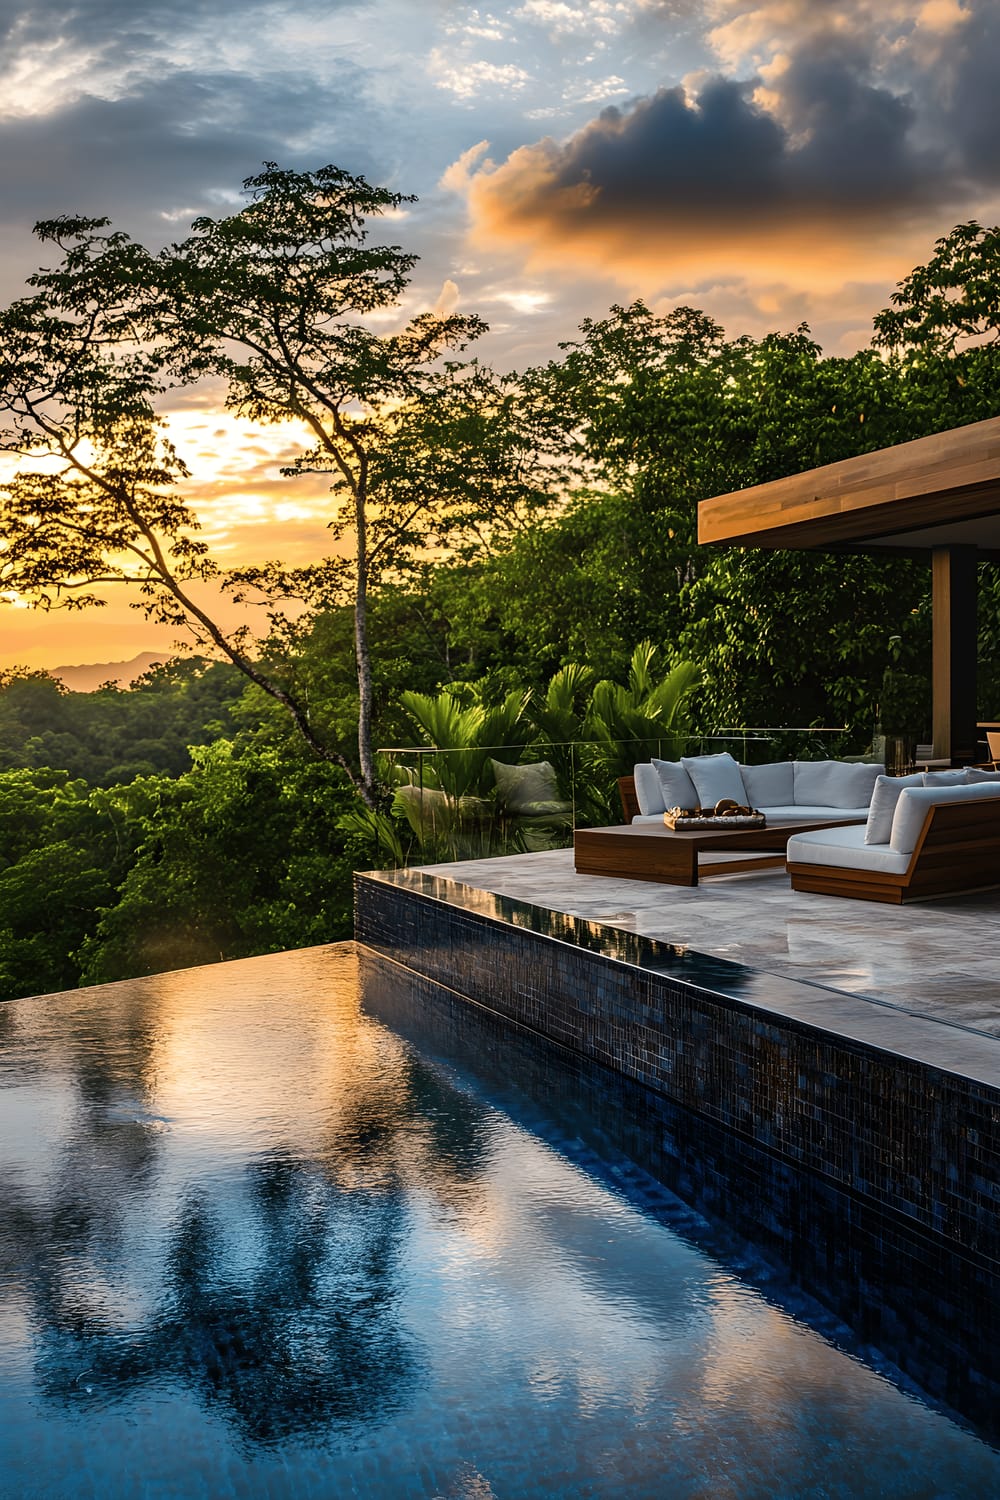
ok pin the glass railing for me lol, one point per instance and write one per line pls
(476, 802)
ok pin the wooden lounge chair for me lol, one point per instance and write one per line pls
(957, 849)
(993, 747)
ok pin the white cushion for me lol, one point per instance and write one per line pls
(676, 787)
(792, 813)
(915, 802)
(846, 849)
(649, 818)
(884, 799)
(835, 783)
(715, 777)
(647, 789)
(945, 778)
(770, 785)
(973, 775)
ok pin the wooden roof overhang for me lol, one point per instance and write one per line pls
(937, 491)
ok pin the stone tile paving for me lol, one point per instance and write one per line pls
(936, 958)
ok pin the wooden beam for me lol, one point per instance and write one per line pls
(947, 477)
(954, 647)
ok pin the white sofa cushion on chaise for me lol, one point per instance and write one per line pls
(911, 810)
(845, 847)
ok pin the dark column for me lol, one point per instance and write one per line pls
(953, 592)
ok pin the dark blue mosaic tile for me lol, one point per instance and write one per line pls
(912, 1139)
(876, 1285)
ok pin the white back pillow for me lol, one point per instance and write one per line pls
(771, 785)
(883, 805)
(715, 777)
(647, 788)
(835, 783)
(676, 787)
(914, 803)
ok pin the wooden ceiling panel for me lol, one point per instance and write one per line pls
(948, 478)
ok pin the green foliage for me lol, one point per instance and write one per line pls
(588, 732)
(470, 732)
(112, 736)
(62, 848)
(645, 715)
(955, 297)
(240, 855)
(800, 638)
(904, 704)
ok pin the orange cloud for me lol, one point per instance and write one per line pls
(716, 184)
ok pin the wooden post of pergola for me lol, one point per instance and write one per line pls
(938, 496)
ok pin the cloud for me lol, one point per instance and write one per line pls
(830, 149)
(467, 79)
(149, 153)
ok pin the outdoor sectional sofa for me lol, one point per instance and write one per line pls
(921, 839)
(787, 791)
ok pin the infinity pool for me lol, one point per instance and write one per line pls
(262, 1237)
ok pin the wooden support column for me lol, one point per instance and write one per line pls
(953, 593)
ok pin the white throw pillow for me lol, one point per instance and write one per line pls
(835, 783)
(946, 778)
(715, 777)
(648, 792)
(883, 806)
(770, 785)
(676, 787)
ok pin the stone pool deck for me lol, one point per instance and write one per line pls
(938, 959)
(857, 1041)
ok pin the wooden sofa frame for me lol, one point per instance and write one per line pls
(630, 801)
(958, 850)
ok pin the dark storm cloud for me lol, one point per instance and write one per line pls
(663, 159)
(837, 132)
(971, 113)
(661, 147)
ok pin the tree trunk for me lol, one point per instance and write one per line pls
(362, 652)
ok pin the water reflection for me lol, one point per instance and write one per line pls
(243, 1223)
(926, 1317)
(142, 1244)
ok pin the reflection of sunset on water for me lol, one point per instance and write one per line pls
(256, 1231)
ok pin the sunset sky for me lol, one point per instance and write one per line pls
(771, 164)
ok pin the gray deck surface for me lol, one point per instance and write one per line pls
(937, 959)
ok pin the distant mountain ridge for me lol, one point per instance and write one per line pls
(88, 678)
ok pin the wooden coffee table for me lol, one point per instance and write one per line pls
(652, 851)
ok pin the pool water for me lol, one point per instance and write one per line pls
(281, 1228)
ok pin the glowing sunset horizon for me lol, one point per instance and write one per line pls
(770, 163)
